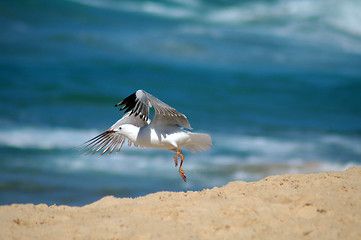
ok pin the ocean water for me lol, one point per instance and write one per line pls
(277, 84)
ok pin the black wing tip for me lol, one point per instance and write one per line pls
(128, 102)
(132, 104)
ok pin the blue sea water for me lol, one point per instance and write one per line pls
(277, 84)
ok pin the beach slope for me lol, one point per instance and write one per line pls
(310, 206)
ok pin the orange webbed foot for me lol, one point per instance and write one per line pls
(183, 175)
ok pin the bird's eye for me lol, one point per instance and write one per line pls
(120, 127)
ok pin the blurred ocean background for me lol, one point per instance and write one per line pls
(276, 83)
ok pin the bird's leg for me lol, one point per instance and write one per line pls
(181, 172)
(176, 159)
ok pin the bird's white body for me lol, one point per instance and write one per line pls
(148, 136)
(167, 138)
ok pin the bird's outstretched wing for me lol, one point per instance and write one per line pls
(111, 139)
(139, 103)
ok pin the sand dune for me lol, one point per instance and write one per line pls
(312, 206)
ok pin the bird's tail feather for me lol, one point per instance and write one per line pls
(199, 142)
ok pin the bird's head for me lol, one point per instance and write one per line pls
(128, 130)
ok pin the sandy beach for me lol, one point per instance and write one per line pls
(311, 206)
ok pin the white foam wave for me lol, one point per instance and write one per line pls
(330, 23)
(259, 148)
(351, 143)
(124, 164)
(146, 7)
(277, 149)
(48, 138)
(343, 15)
(249, 148)
(240, 157)
(44, 138)
(322, 25)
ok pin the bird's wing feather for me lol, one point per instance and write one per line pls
(108, 140)
(111, 139)
(139, 103)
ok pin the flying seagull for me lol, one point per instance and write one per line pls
(165, 131)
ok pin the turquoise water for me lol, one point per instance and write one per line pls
(277, 84)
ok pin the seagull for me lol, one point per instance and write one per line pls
(165, 131)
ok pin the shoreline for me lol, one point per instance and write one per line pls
(324, 205)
